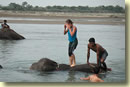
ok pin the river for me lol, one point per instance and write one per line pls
(47, 40)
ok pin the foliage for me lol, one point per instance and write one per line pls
(27, 7)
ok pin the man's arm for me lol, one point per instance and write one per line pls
(88, 55)
(88, 78)
(8, 26)
(100, 80)
(98, 55)
(65, 30)
(73, 32)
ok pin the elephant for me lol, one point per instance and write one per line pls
(9, 34)
(46, 64)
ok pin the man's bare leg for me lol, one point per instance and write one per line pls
(104, 64)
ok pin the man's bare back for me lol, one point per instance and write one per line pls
(93, 78)
(101, 52)
(96, 47)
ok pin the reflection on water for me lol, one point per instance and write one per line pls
(45, 40)
(6, 48)
(71, 76)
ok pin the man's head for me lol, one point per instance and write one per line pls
(69, 22)
(5, 21)
(92, 41)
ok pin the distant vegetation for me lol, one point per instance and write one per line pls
(27, 7)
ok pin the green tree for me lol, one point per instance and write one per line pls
(99, 9)
(24, 4)
(14, 6)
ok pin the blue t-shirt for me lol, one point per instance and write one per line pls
(72, 38)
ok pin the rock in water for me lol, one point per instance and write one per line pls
(1, 67)
(9, 34)
(44, 64)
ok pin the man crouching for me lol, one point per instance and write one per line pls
(101, 53)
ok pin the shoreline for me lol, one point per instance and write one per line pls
(60, 17)
(62, 22)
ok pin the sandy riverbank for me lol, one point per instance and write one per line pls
(60, 17)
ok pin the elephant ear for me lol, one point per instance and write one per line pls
(48, 68)
(47, 61)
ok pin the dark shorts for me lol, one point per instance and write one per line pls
(103, 55)
(72, 47)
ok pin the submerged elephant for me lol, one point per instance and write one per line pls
(46, 64)
(9, 34)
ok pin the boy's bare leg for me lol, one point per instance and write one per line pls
(70, 60)
(73, 60)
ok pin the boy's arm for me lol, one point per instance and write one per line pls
(73, 32)
(65, 30)
(88, 78)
